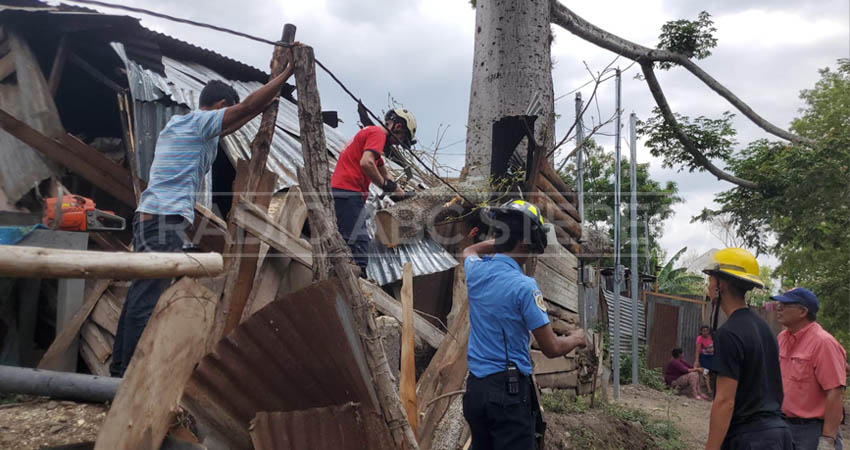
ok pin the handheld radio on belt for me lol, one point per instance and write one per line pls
(511, 370)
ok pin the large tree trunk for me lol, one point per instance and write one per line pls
(512, 63)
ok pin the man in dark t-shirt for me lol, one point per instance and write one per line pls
(748, 392)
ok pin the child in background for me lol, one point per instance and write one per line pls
(705, 353)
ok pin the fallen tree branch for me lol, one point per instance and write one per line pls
(562, 16)
(687, 143)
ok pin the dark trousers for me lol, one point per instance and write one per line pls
(807, 433)
(770, 433)
(351, 222)
(498, 420)
(159, 234)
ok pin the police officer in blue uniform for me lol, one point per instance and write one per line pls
(504, 305)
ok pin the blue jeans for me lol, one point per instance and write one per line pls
(351, 222)
(807, 434)
(159, 234)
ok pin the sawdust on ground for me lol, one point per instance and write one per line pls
(34, 422)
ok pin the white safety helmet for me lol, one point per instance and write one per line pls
(405, 116)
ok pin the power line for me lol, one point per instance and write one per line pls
(275, 43)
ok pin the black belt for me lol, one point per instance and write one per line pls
(802, 421)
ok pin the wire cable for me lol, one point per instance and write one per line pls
(275, 43)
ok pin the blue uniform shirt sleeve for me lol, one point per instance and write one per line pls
(209, 123)
(532, 306)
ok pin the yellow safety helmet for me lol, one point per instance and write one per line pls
(736, 263)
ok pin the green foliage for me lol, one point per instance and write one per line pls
(801, 211)
(758, 297)
(692, 38)
(679, 281)
(564, 402)
(652, 378)
(715, 138)
(655, 199)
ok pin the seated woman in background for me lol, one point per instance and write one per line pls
(705, 353)
(680, 376)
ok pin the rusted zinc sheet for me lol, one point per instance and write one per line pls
(301, 351)
(343, 427)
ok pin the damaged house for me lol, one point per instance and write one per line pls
(83, 96)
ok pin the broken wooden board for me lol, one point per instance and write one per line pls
(254, 220)
(386, 304)
(556, 287)
(171, 345)
(342, 427)
(407, 378)
(447, 370)
(52, 359)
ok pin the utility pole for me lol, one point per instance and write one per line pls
(617, 274)
(634, 246)
(580, 155)
(585, 310)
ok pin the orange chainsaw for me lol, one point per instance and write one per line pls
(77, 213)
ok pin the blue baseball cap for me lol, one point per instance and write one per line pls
(799, 295)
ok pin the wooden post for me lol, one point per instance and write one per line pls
(170, 347)
(242, 262)
(407, 377)
(330, 254)
(58, 65)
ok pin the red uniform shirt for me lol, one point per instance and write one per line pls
(811, 362)
(348, 175)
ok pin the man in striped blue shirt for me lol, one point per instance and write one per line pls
(185, 152)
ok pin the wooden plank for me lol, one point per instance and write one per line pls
(7, 66)
(95, 365)
(560, 380)
(96, 74)
(58, 65)
(544, 365)
(94, 338)
(407, 377)
(30, 262)
(557, 288)
(392, 307)
(104, 314)
(61, 154)
(447, 370)
(52, 358)
(173, 343)
(561, 261)
(255, 221)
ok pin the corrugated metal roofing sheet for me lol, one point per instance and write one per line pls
(301, 351)
(343, 427)
(154, 98)
(625, 320)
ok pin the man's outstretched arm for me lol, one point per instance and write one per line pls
(239, 114)
(721, 411)
(553, 345)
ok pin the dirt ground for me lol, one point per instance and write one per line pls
(689, 415)
(594, 430)
(35, 422)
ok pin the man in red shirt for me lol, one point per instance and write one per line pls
(680, 375)
(813, 377)
(360, 164)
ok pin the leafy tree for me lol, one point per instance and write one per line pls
(759, 297)
(691, 38)
(677, 280)
(801, 210)
(655, 200)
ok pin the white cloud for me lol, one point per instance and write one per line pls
(761, 29)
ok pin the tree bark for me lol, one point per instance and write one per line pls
(511, 66)
(561, 15)
(331, 257)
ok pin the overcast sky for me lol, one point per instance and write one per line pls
(420, 53)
